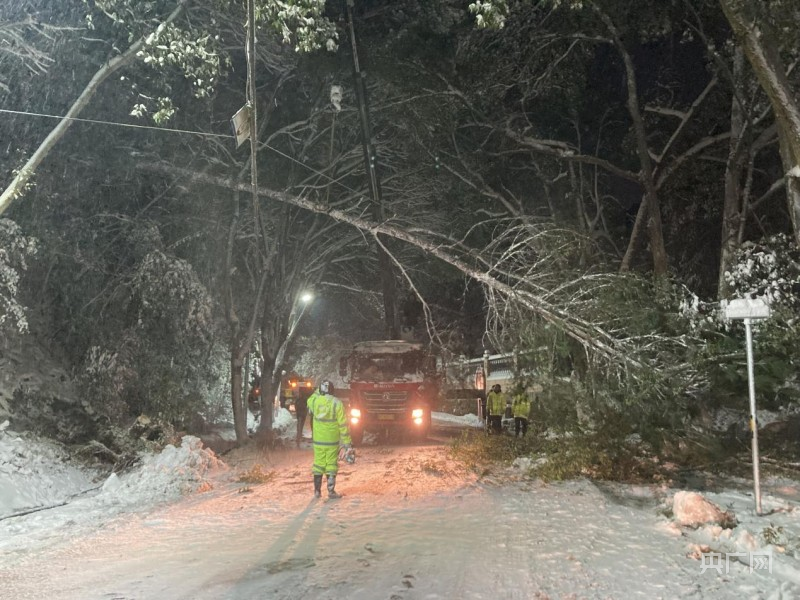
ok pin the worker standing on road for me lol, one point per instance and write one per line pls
(495, 408)
(522, 409)
(328, 432)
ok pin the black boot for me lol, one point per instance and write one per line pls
(331, 485)
(317, 486)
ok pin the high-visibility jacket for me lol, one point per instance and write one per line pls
(496, 403)
(522, 406)
(329, 421)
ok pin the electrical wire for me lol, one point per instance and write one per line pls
(187, 131)
(115, 124)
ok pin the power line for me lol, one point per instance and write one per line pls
(115, 124)
(188, 131)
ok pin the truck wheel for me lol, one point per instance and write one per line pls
(357, 435)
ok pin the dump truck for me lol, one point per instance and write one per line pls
(394, 386)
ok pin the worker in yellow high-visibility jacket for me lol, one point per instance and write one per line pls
(522, 410)
(496, 408)
(329, 432)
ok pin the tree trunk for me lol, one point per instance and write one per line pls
(732, 211)
(651, 207)
(268, 389)
(761, 50)
(239, 407)
(790, 154)
(636, 234)
(270, 384)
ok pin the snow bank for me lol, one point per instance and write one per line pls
(283, 423)
(469, 420)
(164, 476)
(692, 510)
(283, 420)
(36, 473)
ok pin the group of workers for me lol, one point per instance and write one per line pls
(498, 404)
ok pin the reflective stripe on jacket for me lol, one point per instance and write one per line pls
(522, 406)
(496, 403)
(329, 422)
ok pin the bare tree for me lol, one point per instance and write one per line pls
(761, 46)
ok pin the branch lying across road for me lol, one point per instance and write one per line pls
(587, 334)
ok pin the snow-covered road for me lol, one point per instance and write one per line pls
(412, 525)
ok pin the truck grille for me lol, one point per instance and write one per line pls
(386, 401)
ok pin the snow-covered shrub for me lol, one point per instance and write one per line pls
(15, 249)
(769, 269)
(171, 296)
(104, 378)
(156, 363)
(51, 417)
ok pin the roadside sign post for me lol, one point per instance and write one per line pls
(749, 311)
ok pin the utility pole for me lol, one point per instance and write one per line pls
(251, 101)
(265, 424)
(385, 264)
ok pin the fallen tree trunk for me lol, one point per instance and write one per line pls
(585, 333)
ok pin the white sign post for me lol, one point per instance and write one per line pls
(749, 311)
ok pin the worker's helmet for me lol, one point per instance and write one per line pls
(326, 387)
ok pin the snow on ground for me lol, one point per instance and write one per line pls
(36, 473)
(412, 524)
(35, 483)
(445, 420)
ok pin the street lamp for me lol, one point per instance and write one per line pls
(298, 310)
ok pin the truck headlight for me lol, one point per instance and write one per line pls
(417, 413)
(355, 416)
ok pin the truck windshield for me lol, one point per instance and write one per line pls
(387, 367)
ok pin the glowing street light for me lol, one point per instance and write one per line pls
(299, 310)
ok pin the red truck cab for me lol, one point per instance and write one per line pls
(394, 385)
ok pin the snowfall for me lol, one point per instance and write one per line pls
(413, 524)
